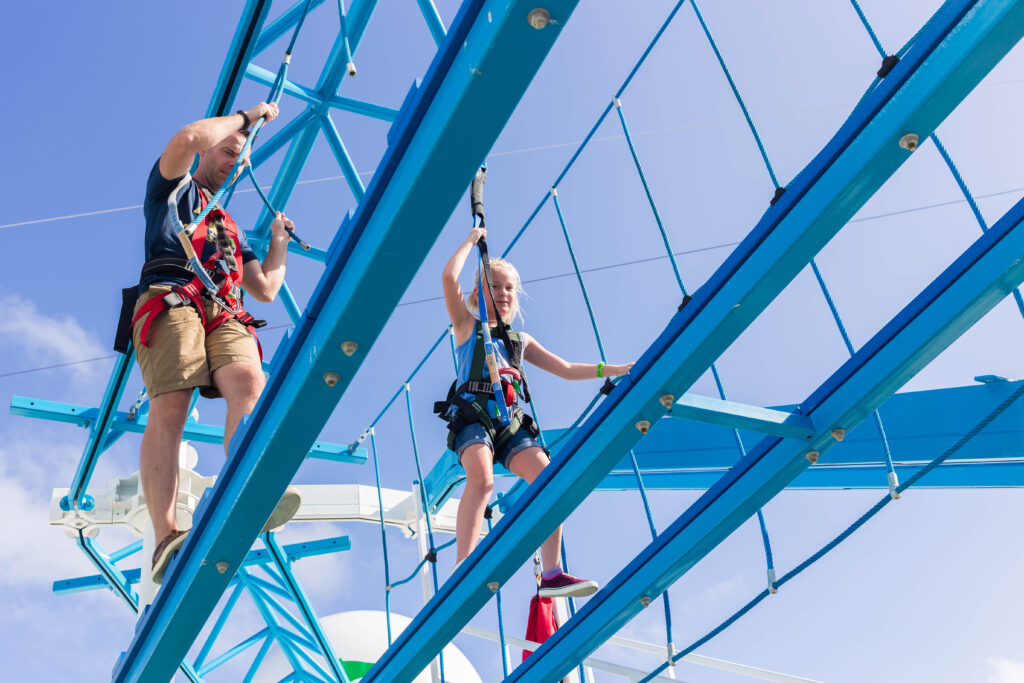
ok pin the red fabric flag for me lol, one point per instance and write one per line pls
(542, 622)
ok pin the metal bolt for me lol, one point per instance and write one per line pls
(349, 347)
(667, 400)
(222, 566)
(645, 600)
(331, 378)
(643, 426)
(538, 18)
(813, 457)
(909, 142)
(838, 434)
(493, 585)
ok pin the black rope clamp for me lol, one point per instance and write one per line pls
(888, 64)
(686, 300)
(607, 387)
(488, 512)
(431, 556)
(779, 191)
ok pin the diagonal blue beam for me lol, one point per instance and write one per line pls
(310, 96)
(491, 54)
(241, 51)
(327, 86)
(741, 416)
(962, 42)
(284, 23)
(294, 551)
(348, 168)
(984, 275)
(194, 431)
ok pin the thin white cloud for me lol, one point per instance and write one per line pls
(1004, 670)
(45, 338)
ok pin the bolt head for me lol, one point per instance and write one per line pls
(65, 504)
(645, 600)
(349, 347)
(493, 586)
(643, 426)
(331, 378)
(87, 502)
(538, 18)
(667, 400)
(222, 567)
(838, 434)
(812, 457)
(909, 142)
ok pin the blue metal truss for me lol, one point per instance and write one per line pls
(984, 275)
(490, 55)
(961, 43)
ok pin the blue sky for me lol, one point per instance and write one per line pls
(931, 590)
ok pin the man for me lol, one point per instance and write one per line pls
(184, 339)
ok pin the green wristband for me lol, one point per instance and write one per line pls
(600, 368)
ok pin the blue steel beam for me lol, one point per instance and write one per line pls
(241, 51)
(985, 274)
(959, 45)
(490, 56)
(294, 551)
(327, 86)
(310, 96)
(740, 416)
(85, 416)
(284, 23)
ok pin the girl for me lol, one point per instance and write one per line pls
(475, 429)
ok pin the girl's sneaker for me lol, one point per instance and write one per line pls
(566, 586)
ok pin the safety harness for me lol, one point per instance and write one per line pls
(222, 268)
(459, 411)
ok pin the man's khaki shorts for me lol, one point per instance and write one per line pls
(180, 355)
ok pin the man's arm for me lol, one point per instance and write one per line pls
(263, 281)
(204, 134)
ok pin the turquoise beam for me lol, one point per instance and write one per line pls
(433, 19)
(241, 51)
(951, 55)
(983, 276)
(348, 167)
(294, 551)
(284, 23)
(313, 97)
(491, 55)
(85, 416)
(739, 416)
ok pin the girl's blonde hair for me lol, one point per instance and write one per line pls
(499, 263)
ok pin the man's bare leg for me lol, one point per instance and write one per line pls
(241, 383)
(158, 458)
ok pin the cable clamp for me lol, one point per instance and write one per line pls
(779, 191)
(771, 581)
(287, 59)
(888, 64)
(607, 387)
(488, 512)
(686, 300)
(431, 556)
(553, 191)
(894, 484)
(617, 102)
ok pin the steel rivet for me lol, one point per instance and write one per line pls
(838, 434)
(349, 347)
(538, 18)
(645, 600)
(909, 142)
(331, 378)
(667, 400)
(493, 585)
(643, 426)
(813, 457)
(222, 567)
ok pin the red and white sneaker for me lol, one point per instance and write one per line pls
(567, 586)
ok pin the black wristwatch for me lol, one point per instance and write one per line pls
(245, 117)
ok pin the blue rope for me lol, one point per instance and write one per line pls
(867, 27)
(890, 469)
(846, 533)
(736, 92)
(419, 566)
(579, 275)
(383, 537)
(654, 535)
(501, 620)
(571, 601)
(344, 37)
(423, 501)
(650, 197)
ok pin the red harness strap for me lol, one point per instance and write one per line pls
(191, 293)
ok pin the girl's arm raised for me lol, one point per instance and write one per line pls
(454, 300)
(556, 365)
